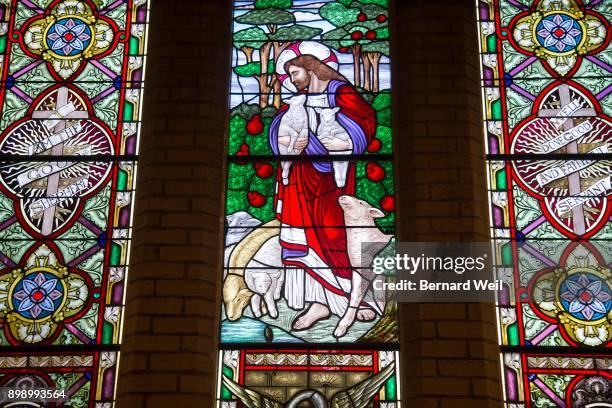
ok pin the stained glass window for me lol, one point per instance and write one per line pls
(309, 179)
(547, 77)
(72, 75)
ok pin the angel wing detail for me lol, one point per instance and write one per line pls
(358, 396)
(250, 398)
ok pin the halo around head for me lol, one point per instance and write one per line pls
(316, 49)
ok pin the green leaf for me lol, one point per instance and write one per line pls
(252, 69)
(245, 110)
(383, 117)
(372, 8)
(236, 201)
(237, 133)
(259, 144)
(338, 14)
(382, 101)
(337, 38)
(381, 47)
(381, 3)
(239, 177)
(281, 4)
(251, 37)
(384, 134)
(266, 16)
(295, 32)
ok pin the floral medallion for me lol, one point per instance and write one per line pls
(578, 296)
(68, 33)
(559, 33)
(40, 296)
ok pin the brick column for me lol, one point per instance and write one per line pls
(449, 351)
(170, 330)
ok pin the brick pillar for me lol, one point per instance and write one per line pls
(449, 351)
(170, 335)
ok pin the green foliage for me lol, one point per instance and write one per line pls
(251, 37)
(264, 186)
(378, 46)
(239, 177)
(268, 112)
(382, 101)
(259, 144)
(373, 192)
(252, 69)
(383, 117)
(245, 111)
(281, 4)
(241, 180)
(236, 201)
(236, 133)
(372, 8)
(295, 32)
(266, 16)
(338, 14)
(385, 135)
(383, 3)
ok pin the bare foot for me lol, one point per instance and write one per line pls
(315, 312)
(366, 315)
(346, 322)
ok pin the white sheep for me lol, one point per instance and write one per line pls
(293, 124)
(329, 128)
(264, 276)
(359, 219)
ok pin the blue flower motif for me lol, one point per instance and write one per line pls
(38, 295)
(586, 296)
(559, 33)
(69, 37)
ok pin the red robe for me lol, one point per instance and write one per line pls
(310, 200)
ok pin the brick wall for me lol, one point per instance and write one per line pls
(449, 352)
(169, 344)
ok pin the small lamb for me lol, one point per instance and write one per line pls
(264, 276)
(295, 125)
(329, 128)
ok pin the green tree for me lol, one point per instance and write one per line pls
(372, 53)
(275, 30)
(362, 28)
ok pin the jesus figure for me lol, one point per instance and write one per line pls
(313, 238)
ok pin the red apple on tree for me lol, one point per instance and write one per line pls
(256, 199)
(263, 170)
(362, 17)
(375, 172)
(255, 126)
(381, 18)
(244, 150)
(387, 203)
(374, 146)
(356, 35)
(371, 35)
